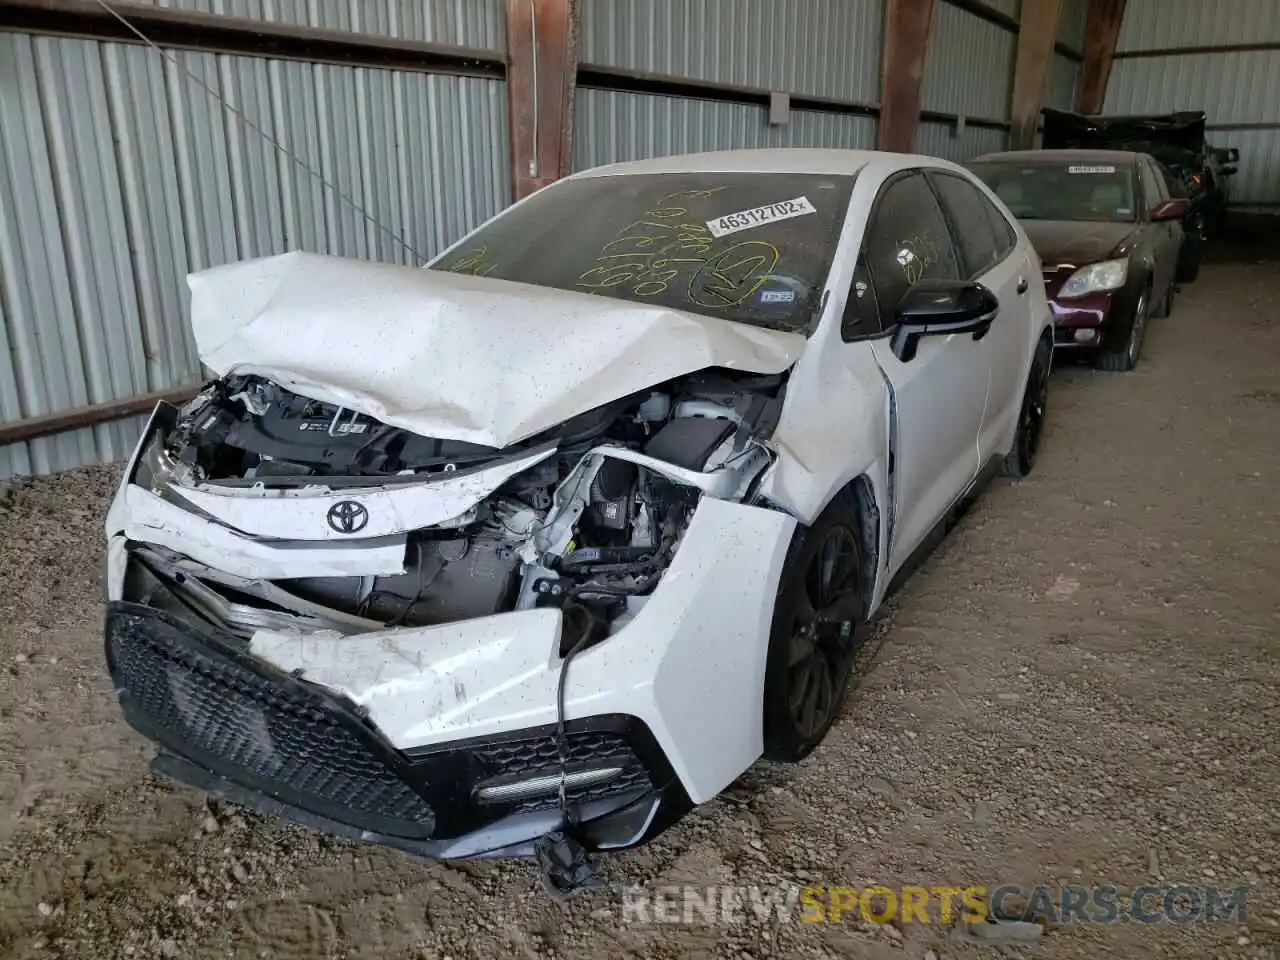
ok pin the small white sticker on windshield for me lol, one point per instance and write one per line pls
(1093, 169)
(746, 219)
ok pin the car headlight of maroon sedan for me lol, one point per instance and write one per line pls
(1095, 278)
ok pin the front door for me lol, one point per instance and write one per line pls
(938, 395)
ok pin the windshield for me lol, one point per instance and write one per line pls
(749, 247)
(1096, 192)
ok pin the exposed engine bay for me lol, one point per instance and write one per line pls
(589, 527)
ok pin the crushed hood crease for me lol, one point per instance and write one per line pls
(452, 356)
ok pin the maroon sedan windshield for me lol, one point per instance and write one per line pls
(1099, 192)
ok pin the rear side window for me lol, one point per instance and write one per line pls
(1161, 180)
(971, 224)
(1150, 192)
(1005, 234)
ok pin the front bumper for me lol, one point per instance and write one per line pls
(1082, 323)
(230, 724)
(679, 685)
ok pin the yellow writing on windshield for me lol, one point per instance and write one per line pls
(475, 262)
(647, 255)
(733, 275)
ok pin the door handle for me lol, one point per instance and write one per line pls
(1022, 285)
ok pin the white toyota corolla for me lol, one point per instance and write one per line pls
(559, 535)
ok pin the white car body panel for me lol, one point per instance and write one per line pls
(681, 664)
(361, 335)
(492, 362)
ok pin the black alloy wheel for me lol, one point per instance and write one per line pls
(1035, 404)
(821, 649)
(1126, 358)
(818, 629)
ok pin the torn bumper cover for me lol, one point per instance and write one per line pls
(230, 724)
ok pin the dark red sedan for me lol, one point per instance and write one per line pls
(1108, 235)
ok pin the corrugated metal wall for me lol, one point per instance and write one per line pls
(969, 69)
(612, 126)
(827, 48)
(1157, 24)
(1064, 83)
(1236, 87)
(119, 175)
(462, 23)
(1071, 23)
(1010, 8)
(941, 140)
(1064, 72)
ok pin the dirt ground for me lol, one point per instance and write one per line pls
(1081, 686)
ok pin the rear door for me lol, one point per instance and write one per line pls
(1166, 235)
(989, 255)
(938, 395)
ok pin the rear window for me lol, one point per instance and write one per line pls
(1078, 190)
(750, 247)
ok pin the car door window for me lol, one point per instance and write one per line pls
(1149, 191)
(1005, 234)
(1159, 173)
(907, 240)
(971, 225)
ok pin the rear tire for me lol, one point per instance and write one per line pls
(1166, 304)
(1021, 460)
(819, 624)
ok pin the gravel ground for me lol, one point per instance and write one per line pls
(1081, 686)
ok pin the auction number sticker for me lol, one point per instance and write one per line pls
(1092, 169)
(770, 212)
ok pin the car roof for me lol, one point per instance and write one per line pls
(1124, 157)
(775, 160)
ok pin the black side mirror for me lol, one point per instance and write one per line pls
(934, 308)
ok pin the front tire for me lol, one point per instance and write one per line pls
(1126, 358)
(1035, 399)
(819, 624)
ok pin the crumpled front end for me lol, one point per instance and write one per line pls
(338, 620)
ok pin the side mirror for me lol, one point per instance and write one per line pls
(934, 308)
(1174, 209)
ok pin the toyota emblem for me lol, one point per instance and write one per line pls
(347, 516)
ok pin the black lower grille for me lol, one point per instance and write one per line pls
(274, 736)
(206, 700)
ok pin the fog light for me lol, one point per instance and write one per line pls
(545, 785)
(1086, 336)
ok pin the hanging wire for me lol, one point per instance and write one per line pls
(281, 148)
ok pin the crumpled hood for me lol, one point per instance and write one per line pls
(457, 357)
